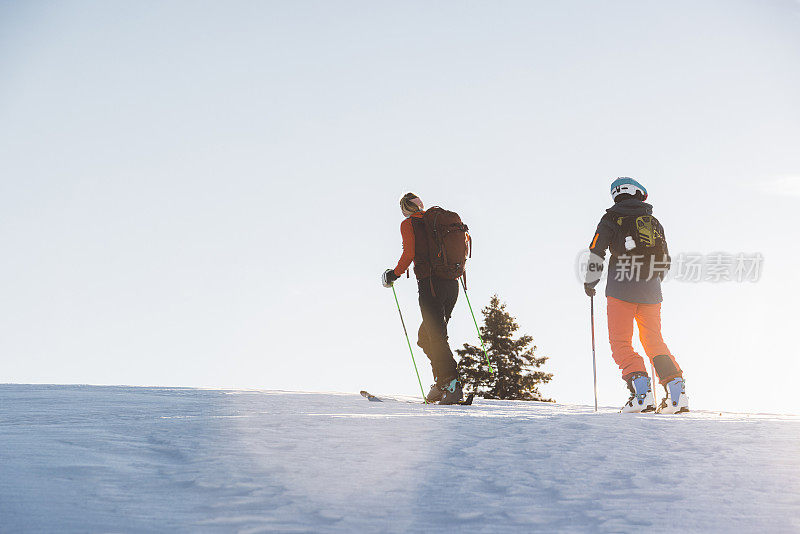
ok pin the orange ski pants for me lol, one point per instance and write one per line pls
(621, 315)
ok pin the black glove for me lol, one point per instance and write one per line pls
(589, 289)
(388, 277)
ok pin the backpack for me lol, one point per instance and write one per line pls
(449, 243)
(647, 234)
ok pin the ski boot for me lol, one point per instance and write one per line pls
(452, 392)
(435, 394)
(676, 400)
(641, 395)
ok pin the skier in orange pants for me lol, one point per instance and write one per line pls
(621, 316)
(639, 261)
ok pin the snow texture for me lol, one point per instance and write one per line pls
(121, 459)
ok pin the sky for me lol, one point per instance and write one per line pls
(205, 193)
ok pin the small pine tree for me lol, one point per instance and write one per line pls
(514, 362)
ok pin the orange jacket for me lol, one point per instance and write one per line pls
(407, 232)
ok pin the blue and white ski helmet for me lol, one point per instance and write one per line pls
(628, 186)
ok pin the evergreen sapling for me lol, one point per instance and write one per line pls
(517, 375)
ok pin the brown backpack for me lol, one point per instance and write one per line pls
(449, 243)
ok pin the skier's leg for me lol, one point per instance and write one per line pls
(428, 307)
(648, 318)
(447, 293)
(436, 308)
(620, 336)
(433, 337)
(451, 290)
(435, 314)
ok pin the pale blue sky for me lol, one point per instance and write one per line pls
(205, 194)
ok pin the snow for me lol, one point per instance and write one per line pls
(123, 459)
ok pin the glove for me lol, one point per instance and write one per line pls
(589, 289)
(388, 277)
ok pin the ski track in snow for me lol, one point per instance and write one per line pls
(122, 459)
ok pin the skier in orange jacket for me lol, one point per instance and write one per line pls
(437, 297)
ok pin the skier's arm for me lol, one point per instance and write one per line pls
(597, 248)
(407, 231)
(668, 259)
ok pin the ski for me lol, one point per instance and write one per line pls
(653, 412)
(468, 400)
(372, 398)
(367, 395)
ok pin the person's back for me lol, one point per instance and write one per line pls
(632, 277)
(639, 261)
(437, 297)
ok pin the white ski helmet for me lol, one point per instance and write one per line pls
(628, 186)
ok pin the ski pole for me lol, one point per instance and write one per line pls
(476, 327)
(655, 381)
(594, 360)
(409, 345)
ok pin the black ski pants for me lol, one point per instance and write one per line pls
(437, 298)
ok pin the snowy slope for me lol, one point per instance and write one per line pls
(118, 459)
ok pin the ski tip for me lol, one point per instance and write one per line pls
(367, 395)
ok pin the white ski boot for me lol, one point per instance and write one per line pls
(676, 400)
(641, 395)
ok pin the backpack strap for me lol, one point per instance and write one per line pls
(422, 252)
(437, 239)
(469, 248)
